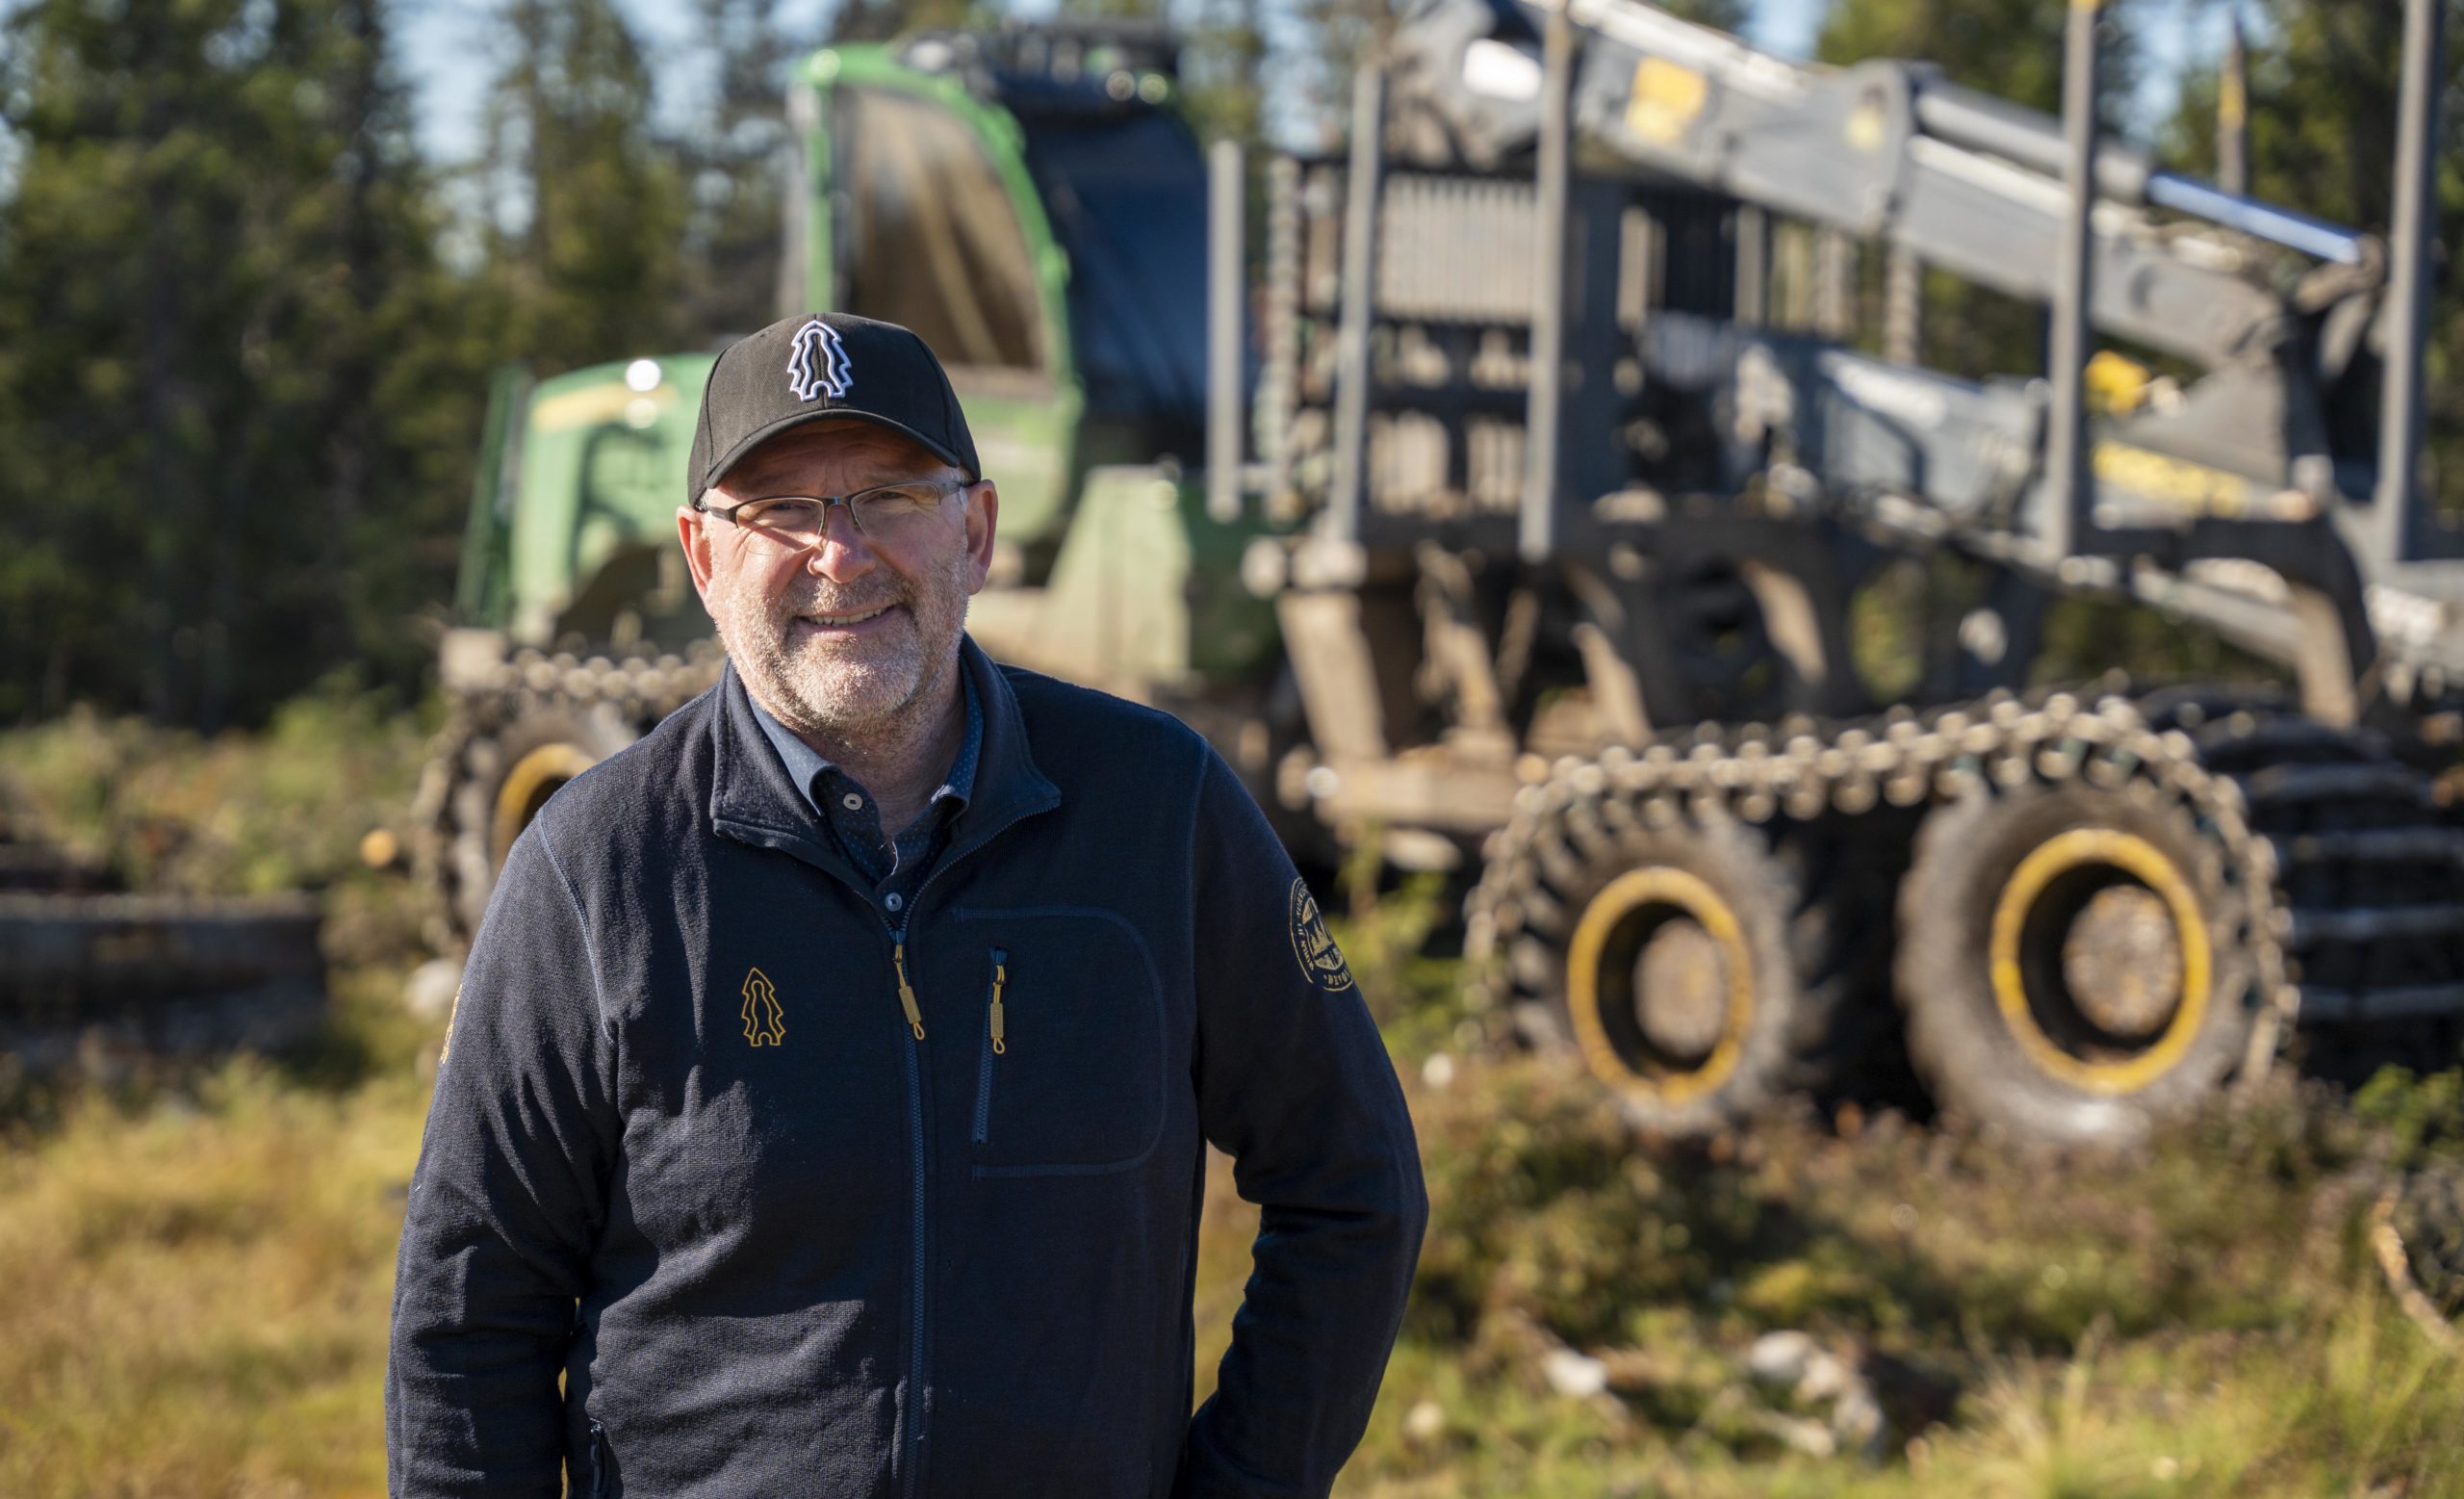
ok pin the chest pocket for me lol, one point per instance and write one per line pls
(1069, 1076)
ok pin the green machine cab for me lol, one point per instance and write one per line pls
(572, 522)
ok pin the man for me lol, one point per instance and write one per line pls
(827, 1097)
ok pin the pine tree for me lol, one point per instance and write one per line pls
(215, 252)
(879, 20)
(1725, 15)
(1223, 71)
(735, 159)
(2008, 48)
(585, 207)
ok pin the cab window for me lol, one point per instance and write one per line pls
(935, 243)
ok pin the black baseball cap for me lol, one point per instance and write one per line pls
(822, 367)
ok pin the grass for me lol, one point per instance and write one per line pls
(200, 1275)
(2198, 1318)
(237, 813)
(2197, 1322)
(200, 1264)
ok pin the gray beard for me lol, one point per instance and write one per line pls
(857, 692)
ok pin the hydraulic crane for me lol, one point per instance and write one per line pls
(1590, 522)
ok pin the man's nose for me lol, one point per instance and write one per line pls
(842, 554)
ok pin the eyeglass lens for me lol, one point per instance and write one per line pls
(803, 520)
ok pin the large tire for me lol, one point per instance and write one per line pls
(2073, 962)
(494, 781)
(2369, 870)
(2425, 1211)
(1702, 969)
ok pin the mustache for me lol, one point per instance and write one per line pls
(804, 605)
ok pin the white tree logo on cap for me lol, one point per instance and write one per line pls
(817, 364)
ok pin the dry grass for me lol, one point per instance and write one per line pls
(199, 1266)
(200, 1278)
(198, 1286)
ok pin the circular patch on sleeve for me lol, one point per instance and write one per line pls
(1319, 958)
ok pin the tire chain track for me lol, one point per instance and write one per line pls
(2169, 747)
(642, 690)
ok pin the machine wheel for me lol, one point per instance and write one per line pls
(1698, 969)
(2072, 961)
(2426, 1212)
(492, 781)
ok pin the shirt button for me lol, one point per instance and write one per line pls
(852, 802)
(893, 900)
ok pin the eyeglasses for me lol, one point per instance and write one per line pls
(879, 512)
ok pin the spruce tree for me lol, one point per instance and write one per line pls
(584, 205)
(215, 282)
(735, 158)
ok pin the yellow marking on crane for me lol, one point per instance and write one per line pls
(2189, 486)
(2117, 383)
(1667, 98)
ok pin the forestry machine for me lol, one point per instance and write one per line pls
(1566, 521)
(1709, 621)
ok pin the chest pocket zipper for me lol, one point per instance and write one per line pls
(600, 1487)
(996, 1044)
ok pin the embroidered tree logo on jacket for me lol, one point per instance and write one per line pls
(764, 1023)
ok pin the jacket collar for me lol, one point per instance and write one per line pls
(808, 768)
(753, 801)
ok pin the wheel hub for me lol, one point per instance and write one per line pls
(1681, 990)
(1658, 985)
(2122, 963)
(2100, 959)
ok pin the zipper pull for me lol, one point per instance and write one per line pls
(907, 995)
(1000, 976)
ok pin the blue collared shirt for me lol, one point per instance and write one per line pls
(896, 866)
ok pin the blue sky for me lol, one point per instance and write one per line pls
(444, 40)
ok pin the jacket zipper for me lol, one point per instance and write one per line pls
(918, 1364)
(918, 1369)
(994, 1044)
(1000, 976)
(906, 994)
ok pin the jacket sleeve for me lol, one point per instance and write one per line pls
(1294, 1084)
(504, 1203)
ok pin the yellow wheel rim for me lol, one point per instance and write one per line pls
(1682, 893)
(2067, 853)
(530, 781)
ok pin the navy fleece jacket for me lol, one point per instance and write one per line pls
(687, 1150)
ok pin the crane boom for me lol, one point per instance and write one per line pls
(1887, 150)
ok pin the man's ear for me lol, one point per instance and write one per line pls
(693, 531)
(982, 518)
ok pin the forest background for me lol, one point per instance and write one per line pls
(247, 325)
